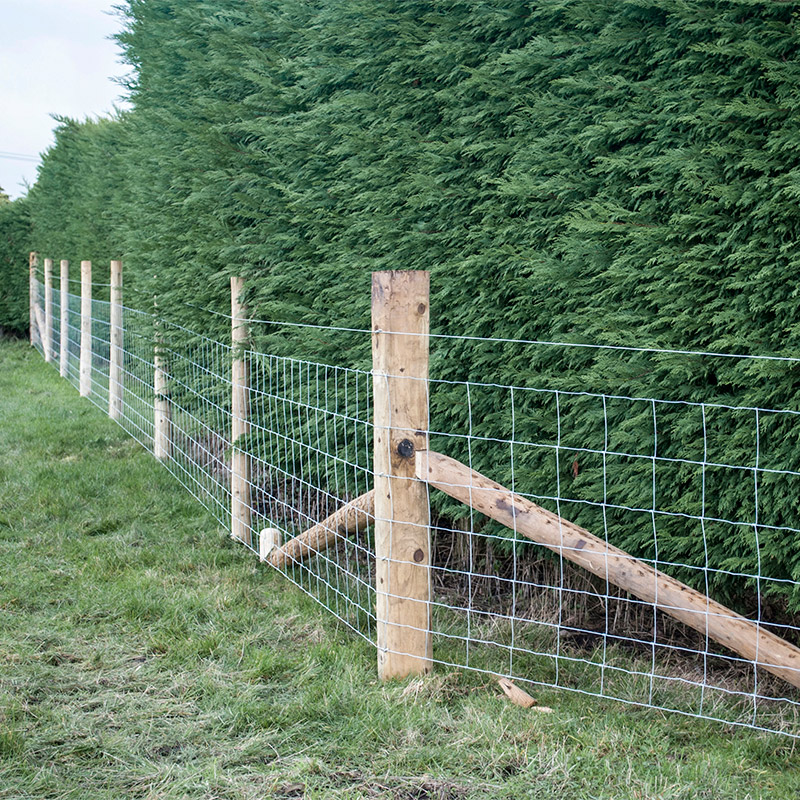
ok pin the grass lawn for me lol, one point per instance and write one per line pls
(144, 655)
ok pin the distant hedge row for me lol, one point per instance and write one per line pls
(15, 243)
(615, 171)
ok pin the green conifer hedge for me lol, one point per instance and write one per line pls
(15, 238)
(625, 172)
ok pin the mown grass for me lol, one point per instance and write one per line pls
(143, 655)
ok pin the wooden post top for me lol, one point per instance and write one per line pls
(396, 290)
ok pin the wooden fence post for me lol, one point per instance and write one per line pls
(400, 323)
(86, 329)
(240, 413)
(33, 264)
(162, 411)
(115, 353)
(64, 345)
(47, 344)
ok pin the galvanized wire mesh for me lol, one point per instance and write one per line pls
(502, 604)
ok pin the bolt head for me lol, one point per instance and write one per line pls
(406, 448)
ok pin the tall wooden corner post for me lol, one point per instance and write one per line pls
(115, 353)
(400, 325)
(33, 265)
(85, 384)
(240, 418)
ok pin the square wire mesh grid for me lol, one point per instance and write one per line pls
(692, 490)
(698, 491)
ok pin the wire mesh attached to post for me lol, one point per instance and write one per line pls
(567, 512)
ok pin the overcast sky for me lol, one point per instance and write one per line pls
(55, 58)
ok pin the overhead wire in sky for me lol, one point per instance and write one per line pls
(18, 156)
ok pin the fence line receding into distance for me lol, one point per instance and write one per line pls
(342, 479)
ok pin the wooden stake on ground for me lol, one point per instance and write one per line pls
(240, 414)
(349, 519)
(33, 264)
(520, 697)
(85, 383)
(64, 320)
(268, 541)
(400, 321)
(47, 343)
(115, 353)
(724, 626)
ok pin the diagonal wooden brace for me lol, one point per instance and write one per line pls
(745, 637)
(351, 518)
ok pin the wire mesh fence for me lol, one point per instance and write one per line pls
(701, 491)
(690, 488)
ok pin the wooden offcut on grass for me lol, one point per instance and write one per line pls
(145, 655)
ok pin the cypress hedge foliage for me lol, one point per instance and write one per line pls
(77, 199)
(15, 239)
(616, 171)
